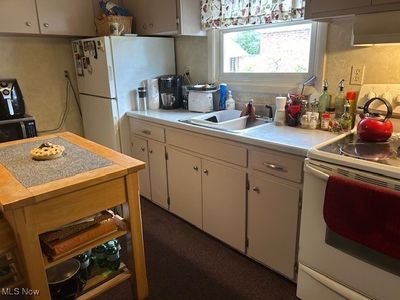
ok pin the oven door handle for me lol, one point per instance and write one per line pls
(315, 172)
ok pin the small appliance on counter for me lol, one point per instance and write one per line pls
(170, 89)
(16, 129)
(203, 98)
(11, 100)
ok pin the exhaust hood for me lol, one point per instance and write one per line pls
(376, 28)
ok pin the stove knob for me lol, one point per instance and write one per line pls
(3, 84)
(6, 92)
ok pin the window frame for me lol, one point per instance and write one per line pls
(261, 82)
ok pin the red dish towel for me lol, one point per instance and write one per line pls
(364, 213)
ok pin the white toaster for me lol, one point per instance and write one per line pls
(201, 101)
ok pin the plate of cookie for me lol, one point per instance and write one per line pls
(47, 151)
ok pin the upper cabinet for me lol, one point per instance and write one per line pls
(72, 17)
(18, 16)
(316, 9)
(165, 17)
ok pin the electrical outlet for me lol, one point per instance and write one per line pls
(357, 74)
(187, 70)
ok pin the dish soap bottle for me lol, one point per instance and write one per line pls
(324, 99)
(340, 100)
(230, 102)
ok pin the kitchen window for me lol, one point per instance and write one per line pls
(264, 56)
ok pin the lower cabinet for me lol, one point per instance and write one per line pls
(210, 195)
(272, 221)
(184, 186)
(140, 152)
(224, 203)
(153, 179)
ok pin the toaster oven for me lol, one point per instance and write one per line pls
(15, 129)
(203, 101)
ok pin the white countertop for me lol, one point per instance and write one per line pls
(292, 140)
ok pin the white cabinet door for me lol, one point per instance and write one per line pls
(224, 203)
(272, 223)
(158, 173)
(140, 152)
(184, 186)
(18, 16)
(72, 17)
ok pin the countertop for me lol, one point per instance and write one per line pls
(13, 194)
(292, 140)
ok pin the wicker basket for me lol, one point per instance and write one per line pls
(103, 24)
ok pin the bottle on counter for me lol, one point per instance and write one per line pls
(100, 255)
(351, 98)
(230, 102)
(324, 99)
(325, 119)
(113, 255)
(222, 95)
(142, 99)
(340, 100)
(346, 118)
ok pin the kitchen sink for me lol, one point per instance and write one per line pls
(226, 120)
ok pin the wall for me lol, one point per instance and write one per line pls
(191, 52)
(38, 63)
(382, 63)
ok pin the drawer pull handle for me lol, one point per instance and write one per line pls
(29, 24)
(46, 25)
(256, 189)
(142, 149)
(205, 171)
(148, 132)
(274, 167)
(196, 168)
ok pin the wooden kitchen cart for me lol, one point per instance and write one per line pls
(34, 210)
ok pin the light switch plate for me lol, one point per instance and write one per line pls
(357, 74)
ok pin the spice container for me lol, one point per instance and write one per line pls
(325, 119)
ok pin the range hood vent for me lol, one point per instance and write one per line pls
(376, 28)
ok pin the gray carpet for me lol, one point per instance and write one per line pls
(184, 263)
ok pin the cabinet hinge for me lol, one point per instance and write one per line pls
(296, 267)
(166, 155)
(168, 200)
(177, 21)
(247, 184)
(246, 243)
(300, 203)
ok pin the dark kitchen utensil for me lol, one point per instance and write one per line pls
(309, 81)
(64, 283)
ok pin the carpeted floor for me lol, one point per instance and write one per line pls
(183, 263)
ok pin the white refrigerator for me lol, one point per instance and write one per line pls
(109, 71)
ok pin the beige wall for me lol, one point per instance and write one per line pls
(38, 64)
(192, 52)
(382, 63)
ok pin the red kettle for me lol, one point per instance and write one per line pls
(371, 127)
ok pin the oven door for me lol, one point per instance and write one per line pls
(10, 131)
(330, 261)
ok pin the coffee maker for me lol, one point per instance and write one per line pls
(11, 101)
(170, 89)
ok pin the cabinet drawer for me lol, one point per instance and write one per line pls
(278, 164)
(208, 146)
(147, 130)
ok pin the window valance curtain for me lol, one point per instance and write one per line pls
(225, 13)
